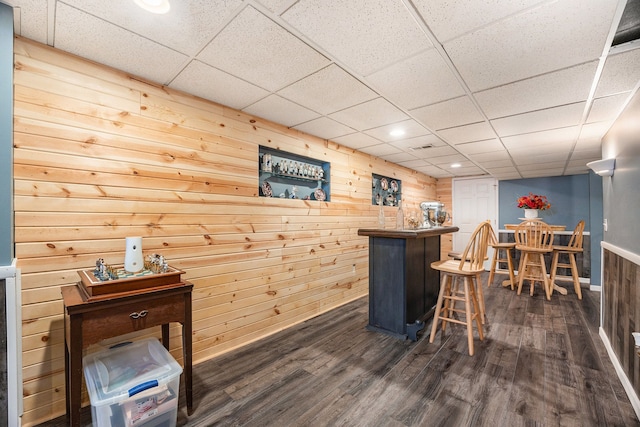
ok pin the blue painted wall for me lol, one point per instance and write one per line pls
(572, 198)
(6, 135)
(569, 197)
(596, 228)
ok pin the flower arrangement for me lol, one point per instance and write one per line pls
(534, 201)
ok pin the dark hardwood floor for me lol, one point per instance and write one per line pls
(541, 363)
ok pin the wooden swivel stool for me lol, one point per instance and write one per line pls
(466, 269)
(534, 239)
(506, 247)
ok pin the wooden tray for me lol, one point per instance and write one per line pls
(128, 282)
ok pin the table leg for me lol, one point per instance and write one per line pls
(67, 381)
(188, 353)
(74, 391)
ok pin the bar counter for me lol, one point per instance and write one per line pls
(403, 288)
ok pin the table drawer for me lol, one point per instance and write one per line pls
(130, 317)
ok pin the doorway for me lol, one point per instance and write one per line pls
(474, 200)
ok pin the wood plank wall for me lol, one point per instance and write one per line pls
(100, 155)
(621, 311)
(444, 194)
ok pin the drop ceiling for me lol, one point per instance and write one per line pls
(512, 89)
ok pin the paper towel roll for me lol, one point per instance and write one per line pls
(133, 261)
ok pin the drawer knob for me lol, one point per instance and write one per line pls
(135, 315)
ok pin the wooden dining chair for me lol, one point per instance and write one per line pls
(574, 247)
(501, 253)
(467, 270)
(534, 239)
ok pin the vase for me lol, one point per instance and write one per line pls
(531, 213)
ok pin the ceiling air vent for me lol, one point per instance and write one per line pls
(422, 147)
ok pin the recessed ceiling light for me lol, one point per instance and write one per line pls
(396, 132)
(154, 6)
(456, 165)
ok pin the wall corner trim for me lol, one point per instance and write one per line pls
(633, 397)
(633, 257)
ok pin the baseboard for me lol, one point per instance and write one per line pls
(631, 393)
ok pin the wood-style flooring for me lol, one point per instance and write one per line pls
(541, 363)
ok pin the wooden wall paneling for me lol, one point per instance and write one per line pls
(444, 194)
(100, 155)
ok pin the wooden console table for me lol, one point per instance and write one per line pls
(403, 288)
(88, 322)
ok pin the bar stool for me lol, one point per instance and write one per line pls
(467, 269)
(507, 247)
(534, 239)
(574, 247)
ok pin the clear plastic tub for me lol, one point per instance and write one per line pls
(133, 384)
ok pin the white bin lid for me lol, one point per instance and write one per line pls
(126, 369)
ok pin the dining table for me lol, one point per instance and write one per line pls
(554, 228)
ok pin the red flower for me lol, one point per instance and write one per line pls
(534, 201)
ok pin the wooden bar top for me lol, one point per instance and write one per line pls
(419, 233)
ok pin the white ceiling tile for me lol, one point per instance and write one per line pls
(608, 107)
(454, 112)
(501, 170)
(380, 150)
(366, 35)
(420, 80)
(595, 130)
(542, 172)
(491, 157)
(588, 144)
(513, 49)
(434, 171)
(370, 114)
(186, 28)
(448, 19)
(550, 118)
(399, 157)
(420, 141)
(414, 164)
(217, 86)
(468, 133)
(557, 88)
(434, 152)
(530, 164)
(366, 63)
(256, 49)
(549, 138)
(357, 140)
(470, 171)
(30, 19)
(324, 127)
(486, 146)
(496, 164)
(328, 90)
(447, 160)
(582, 157)
(281, 111)
(276, 6)
(621, 73)
(87, 36)
(411, 129)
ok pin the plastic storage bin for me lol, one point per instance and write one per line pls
(133, 384)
